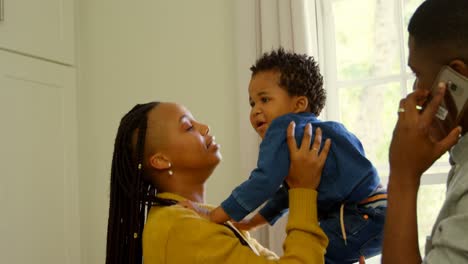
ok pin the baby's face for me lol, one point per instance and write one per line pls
(268, 100)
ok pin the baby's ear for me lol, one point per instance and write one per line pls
(301, 104)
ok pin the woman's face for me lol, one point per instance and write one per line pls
(173, 131)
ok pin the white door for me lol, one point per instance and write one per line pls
(39, 219)
(42, 28)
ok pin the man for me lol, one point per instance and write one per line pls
(438, 36)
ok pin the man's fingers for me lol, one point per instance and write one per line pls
(416, 97)
(291, 140)
(434, 104)
(420, 94)
(411, 105)
(448, 142)
(401, 108)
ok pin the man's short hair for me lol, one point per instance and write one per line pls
(441, 23)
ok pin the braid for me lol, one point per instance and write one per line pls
(130, 196)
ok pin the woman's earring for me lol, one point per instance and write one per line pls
(170, 171)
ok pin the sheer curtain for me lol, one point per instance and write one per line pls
(263, 25)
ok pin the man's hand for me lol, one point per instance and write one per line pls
(413, 150)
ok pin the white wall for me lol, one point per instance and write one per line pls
(132, 52)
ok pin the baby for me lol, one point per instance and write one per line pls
(287, 87)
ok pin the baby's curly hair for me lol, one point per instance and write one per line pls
(299, 75)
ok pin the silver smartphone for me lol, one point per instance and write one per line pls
(453, 110)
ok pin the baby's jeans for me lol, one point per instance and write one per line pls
(364, 231)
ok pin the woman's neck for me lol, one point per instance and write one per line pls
(193, 192)
(189, 184)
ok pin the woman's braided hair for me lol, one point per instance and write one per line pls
(130, 195)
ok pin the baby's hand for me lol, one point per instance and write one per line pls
(218, 215)
(256, 221)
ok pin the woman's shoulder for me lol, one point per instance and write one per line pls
(162, 222)
(177, 223)
(167, 216)
(169, 225)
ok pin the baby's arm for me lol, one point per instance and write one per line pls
(264, 181)
(218, 215)
(256, 221)
(276, 207)
(270, 213)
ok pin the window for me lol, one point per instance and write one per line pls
(363, 56)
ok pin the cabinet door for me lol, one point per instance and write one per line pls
(42, 28)
(39, 220)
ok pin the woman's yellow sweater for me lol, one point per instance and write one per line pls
(177, 235)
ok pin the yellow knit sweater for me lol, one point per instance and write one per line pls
(176, 235)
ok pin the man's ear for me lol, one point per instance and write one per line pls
(159, 161)
(301, 104)
(459, 66)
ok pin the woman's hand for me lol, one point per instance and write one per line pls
(413, 149)
(306, 162)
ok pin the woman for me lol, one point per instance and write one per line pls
(162, 159)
